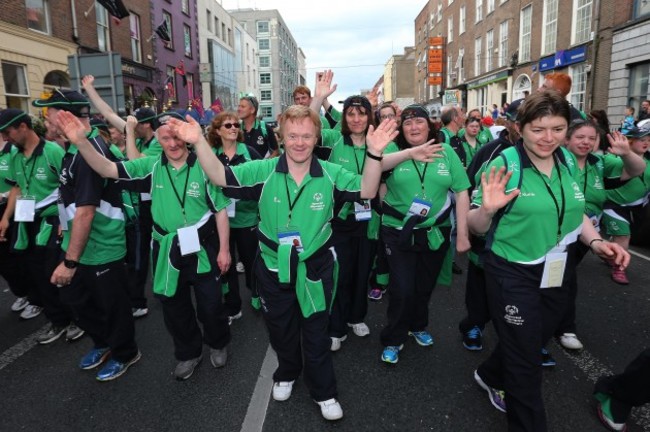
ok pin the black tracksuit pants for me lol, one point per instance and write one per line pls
(244, 241)
(476, 302)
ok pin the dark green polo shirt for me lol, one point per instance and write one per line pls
(592, 182)
(352, 158)
(527, 232)
(631, 192)
(7, 153)
(331, 137)
(408, 178)
(322, 189)
(149, 148)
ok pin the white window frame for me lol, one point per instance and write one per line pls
(479, 11)
(22, 98)
(268, 41)
(450, 29)
(102, 22)
(578, 75)
(461, 65)
(265, 75)
(266, 95)
(187, 41)
(439, 12)
(490, 6)
(478, 54)
(581, 22)
(503, 43)
(136, 37)
(450, 70)
(263, 31)
(45, 4)
(267, 59)
(266, 111)
(489, 49)
(462, 20)
(549, 26)
(525, 32)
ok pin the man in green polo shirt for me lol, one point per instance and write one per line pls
(92, 277)
(34, 175)
(190, 247)
(297, 194)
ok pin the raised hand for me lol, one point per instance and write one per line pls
(618, 144)
(493, 188)
(131, 123)
(324, 87)
(427, 152)
(87, 81)
(377, 139)
(189, 131)
(71, 127)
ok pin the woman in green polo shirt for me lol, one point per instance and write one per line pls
(415, 226)
(226, 139)
(532, 217)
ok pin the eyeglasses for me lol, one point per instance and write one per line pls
(231, 125)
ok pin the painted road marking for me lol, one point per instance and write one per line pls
(256, 412)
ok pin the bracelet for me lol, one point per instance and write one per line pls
(373, 157)
(595, 240)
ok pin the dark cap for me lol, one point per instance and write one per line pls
(66, 100)
(13, 116)
(513, 108)
(252, 100)
(414, 111)
(357, 101)
(147, 115)
(99, 124)
(164, 117)
(639, 131)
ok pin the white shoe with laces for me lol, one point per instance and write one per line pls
(331, 409)
(282, 390)
(571, 341)
(20, 304)
(360, 329)
(336, 342)
(31, 311)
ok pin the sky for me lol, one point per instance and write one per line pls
(353, 38)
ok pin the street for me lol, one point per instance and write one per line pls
(431, 388)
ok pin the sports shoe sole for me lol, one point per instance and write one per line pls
(419, 342)
(127, 365)
(52, 338)
(101, 360)
(485, 387)
(184, 378)
(75, 337)
(605, 421)
(473, 347)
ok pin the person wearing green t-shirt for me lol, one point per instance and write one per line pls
(531, 225)
(296, 269)
(627, 199)
(484, 135)
(226, 138)
(33, 175)
(92, 277)
(302, 96)
(416, 225)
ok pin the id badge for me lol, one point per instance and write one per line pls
(145, 196)
(25, 209)
(291, 238)
(230, 210)
(554, 267)
(188, 240)
(63, 217)
(420, 207)
(362, 210)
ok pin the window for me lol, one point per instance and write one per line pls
(223, 32)
(581, 21)
(450, 29)
(263, 44)
(216, 27)
(168, 19)
(136, 48)
(208, 20)
(479, 10)
(38, 15)
(503, 44)
(266, 96)
(265, 61)
(461, 21)
(185, 6)
(439, 12)
(638, 88)
(478, 42)
(190, 86)
(641, 7)
(187, 41)
(524, 37)
(16, 91)
(460, 65)
(103, 34)
(262, 26)
(489, 49)
(450, 2)
(229, 40)
(266, 111)
(265, 78)
(170, 83)
(578, 85)
(490, 6)
(450, 71)
(549, 27)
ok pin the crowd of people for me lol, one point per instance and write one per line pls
(338, 209)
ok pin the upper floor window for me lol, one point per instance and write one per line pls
(103, 32)
(15, 82)
(263, 44)
(524, 36)
(549, 27)
(262, 26)
(136, 48)
(265, 78)
(490, 6)
(185, 6)
(38, 15)
(168, 20)
(641, 7)
(479, 10)
(265, 61)
(461, 20)
(581, 21)
(187, 41)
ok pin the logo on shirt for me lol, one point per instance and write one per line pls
(63, 177)
(276, 200)
(577, 193)
(193, 190)
(514, 166)
(317, 204)
(40, 174)
(3, 165)
(512, 315)
(260, 140)
(598, 183)
(442, 169)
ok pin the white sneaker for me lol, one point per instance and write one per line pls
(139, 312)
(282, 390)
(72, 332)
(234, 317)
(360, 329)
(336, 342)
(331, 409)
(240, 267)
(20, 304)
(571, 341)
(31, 311)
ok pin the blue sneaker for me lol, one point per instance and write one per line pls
(473, 339)
(497, 397)
(423, 338)
(547, 358)
(115, 369)
(391, 354)
(94, 358)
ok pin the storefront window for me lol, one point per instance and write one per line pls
(638, 87)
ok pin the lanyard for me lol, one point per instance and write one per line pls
(292, 204)
(584, 188)
(178, 197)
(363, 164)
(421, 175)
(560, 210)
(28, 179)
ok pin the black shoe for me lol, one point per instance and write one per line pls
(455, 269)
(547, 359)
(473, 339)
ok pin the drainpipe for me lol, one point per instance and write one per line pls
(595, 47)
(75, 30)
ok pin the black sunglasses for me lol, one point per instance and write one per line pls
(230, 125)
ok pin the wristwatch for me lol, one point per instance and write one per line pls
(70, 263)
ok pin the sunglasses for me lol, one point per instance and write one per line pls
(230, 125)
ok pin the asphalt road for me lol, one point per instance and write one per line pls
(429, 389)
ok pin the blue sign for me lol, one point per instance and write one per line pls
(563, 58)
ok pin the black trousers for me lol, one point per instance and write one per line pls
(8, 268)
(35, 266)
(524, 317)
(244, 241)
(413, 275)
(630, 388)
(98, 295)
(137, 265)
(476, 302)
(178, 310)
(298, 340)
(568, 323)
